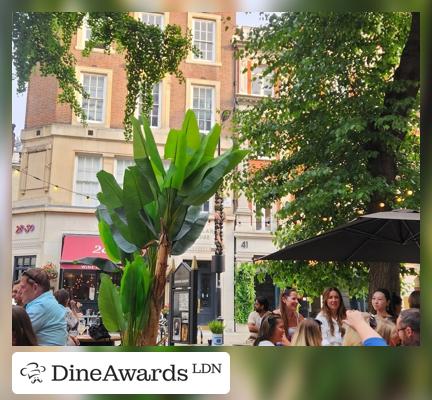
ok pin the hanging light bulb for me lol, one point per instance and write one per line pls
(382, 205)
(409, 192)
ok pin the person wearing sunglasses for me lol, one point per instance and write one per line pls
(46, 314)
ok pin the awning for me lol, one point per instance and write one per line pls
(80, 246)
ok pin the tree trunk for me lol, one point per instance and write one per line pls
(149, 336)
(386, 275)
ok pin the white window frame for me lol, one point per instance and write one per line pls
(262, 220)
(213, 105)
(263, 82)
(117, 161)
(78, 199)
(159, 105)
(104, 99)
(213, 43)
(149, 14)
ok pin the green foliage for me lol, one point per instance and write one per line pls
(244, 291)
(216, 326)
(158, 210)
(43, 40)
(340, 131)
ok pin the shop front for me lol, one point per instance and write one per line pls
(82, 281)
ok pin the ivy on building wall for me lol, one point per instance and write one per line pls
(43, 40)
(244, 291)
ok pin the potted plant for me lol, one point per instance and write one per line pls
(216, 328)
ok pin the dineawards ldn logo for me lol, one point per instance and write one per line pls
(33, 371)
(116, 372)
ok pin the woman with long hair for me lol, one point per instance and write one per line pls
(271, 332)
(288, 305)
(22, 330)
(308, 333)
(332, 314)
(381, 303)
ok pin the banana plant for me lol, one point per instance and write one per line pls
(157, 213)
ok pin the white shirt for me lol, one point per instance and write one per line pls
(254, 318)
(327, 338)
(265, 343)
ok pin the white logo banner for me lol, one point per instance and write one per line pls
(121, 373)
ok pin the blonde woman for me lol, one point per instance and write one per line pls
(308, 333)
(360, 330)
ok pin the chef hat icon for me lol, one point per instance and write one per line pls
(33, 371)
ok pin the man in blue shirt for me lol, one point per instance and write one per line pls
(46, 314)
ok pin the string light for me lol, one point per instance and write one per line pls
(409, 192)
(399, 199)
(382, 205)
(324, 219)
(55, 186)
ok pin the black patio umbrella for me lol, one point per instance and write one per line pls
(390, 236)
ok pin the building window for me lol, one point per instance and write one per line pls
(94, 106)
(155, 114)
(152, 19)
(86, 182)
(203, 106)
(263, 220)
(261, 86)
(204, 34)
(21, 263)
(121, 165)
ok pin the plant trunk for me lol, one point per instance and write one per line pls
(386, 275)
(149, 336)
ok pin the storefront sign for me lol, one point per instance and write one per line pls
(80, 246)
(25, 228)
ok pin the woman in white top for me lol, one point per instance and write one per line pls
(332, 314)
(271, 331)
(288, 305)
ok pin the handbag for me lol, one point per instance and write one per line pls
(98, 331)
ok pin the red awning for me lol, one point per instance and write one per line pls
(80, 246)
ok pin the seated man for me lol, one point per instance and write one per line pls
(408, 327)
(46, 314)
(261, 307)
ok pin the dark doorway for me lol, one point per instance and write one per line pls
(206, 292)
(268, 290)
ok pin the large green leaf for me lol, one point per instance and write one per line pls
(206, 151)
(135, 198)
(152, 150)
(147, 172)
(102, 263)
(112, 193)
(208, 185)
(189, 234)
(111, 248)
(110, 306)
(171, 144)
(190, 126)
(180, 161)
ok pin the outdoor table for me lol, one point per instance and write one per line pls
(87, 340)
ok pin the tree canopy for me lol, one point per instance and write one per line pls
(43, 40)
(341, 131)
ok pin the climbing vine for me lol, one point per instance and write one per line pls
(43, 41)
(244, 291)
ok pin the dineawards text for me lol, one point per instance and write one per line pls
(113, 374)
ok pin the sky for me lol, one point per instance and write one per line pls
(19, 100)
